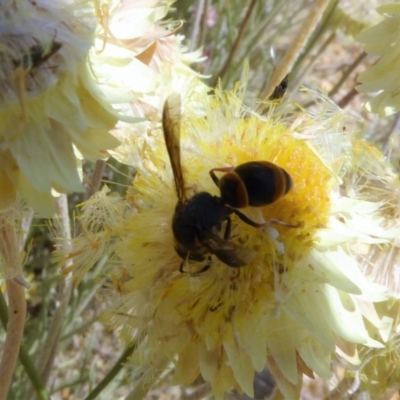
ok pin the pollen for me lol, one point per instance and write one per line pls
(308, 203)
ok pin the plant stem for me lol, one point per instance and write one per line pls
(203, 23)
(65, 290)
(297, 45)
(15, 330)
(196, 25)
(10, 250)
(97, 176)
(24, 358)
(113, 371)
(235, 46)
(345, 100)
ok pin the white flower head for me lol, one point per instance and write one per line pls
(300, 298)
(52, 111)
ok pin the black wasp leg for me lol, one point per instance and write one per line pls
(270, 222)
(181, 270)
(228, 228)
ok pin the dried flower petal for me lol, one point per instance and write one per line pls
(51, 106)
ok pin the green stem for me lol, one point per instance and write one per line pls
(235, 46)
(143, 384)
(48, 353)
(113, 371)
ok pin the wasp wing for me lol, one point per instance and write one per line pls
(228, 252)
(171, 121)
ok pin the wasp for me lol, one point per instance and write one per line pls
(197, 221)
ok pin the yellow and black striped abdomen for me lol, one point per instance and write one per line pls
(255, 183)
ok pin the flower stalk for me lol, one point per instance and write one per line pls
(10, 254)
(294, 51)
(235, 46)
(49, 348)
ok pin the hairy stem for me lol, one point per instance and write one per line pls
(64, 295)
(297, 45)
(24, 357)
(15, 330)
(10, 250)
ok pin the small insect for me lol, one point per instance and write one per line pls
(37, 56)
(26, 66)
(280, 90)
(197, 221)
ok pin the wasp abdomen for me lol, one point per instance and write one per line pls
(255, 183)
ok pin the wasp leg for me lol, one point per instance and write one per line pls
(228, 228)
(222, 169)
(181, 270)
(204, 269)
(249, 221)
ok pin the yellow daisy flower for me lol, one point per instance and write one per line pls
(53, 112)
(301, 296)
